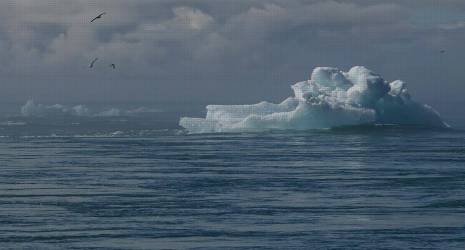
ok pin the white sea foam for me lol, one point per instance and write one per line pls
(331, 98)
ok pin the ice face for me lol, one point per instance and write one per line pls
(331, 98)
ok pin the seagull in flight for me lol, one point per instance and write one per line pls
(93, 62)
(113, 66)
(98, 17)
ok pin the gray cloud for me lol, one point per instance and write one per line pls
(221, 51)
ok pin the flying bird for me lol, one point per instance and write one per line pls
(98, 17)
(93, 62)
(113, 66)
(442, 51)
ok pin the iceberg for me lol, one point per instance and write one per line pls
(331, 98)
(32, 109)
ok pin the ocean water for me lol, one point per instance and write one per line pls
(139, 182)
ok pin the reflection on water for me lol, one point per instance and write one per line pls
(362, 189)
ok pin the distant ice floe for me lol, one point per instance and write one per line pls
(331, 98)
(32, 109)
(12, 123)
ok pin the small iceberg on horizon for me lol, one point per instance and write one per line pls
(32, 109)
(331, 98)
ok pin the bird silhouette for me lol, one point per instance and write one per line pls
(442, 51)
(93, 62)
(98, 17)
(113, 66)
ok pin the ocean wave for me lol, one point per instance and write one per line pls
(331, 98)
(152, 133)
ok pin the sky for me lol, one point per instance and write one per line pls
(224, 51)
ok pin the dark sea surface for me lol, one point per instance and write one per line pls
(139, 182)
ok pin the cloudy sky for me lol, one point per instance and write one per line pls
(223, 51)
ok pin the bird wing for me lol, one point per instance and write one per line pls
(93, 62)
(97, 17)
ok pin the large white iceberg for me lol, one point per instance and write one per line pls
(331, 98)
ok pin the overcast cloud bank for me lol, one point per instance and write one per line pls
(209, 50)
